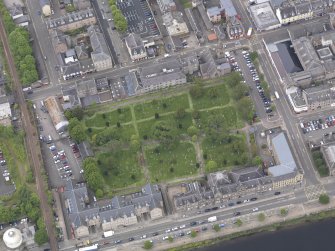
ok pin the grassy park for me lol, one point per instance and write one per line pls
(161, 140)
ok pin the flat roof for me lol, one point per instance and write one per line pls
(263, 15)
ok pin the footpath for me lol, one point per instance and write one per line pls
(249, 222)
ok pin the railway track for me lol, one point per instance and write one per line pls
(32, 142)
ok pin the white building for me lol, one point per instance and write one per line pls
(13, 239)
(175, 23)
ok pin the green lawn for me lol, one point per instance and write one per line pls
(166, 164)
(120, 168)
(227, 155)
(186, 3)
(126, 131)
(230, 118)
(171, 104)
(99, 119)
(206, 101)
(145, 127)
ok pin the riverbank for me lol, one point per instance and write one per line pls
(298, 215)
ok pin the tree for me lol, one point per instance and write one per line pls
(239, 222)
(211, 166)
(246, 109)
(324, 199)
(41, 237)
(170, 238)
(239, 91)
(193, 234)
(78, 133)
(283, 212)
(257, 161)
(213, 92)
(196, 114)
(148, 245)
(99, 193)
(261, 217)
(197, 91)
(180, 113)
(163, 132)
(216, 228)
(92, 174)
(253, 55)
(156, 115)
(233, 79)
(76, 112)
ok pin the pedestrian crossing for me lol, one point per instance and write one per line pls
(313, 192)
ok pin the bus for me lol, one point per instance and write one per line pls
(249, 32)
(277, 95)
(89, 248)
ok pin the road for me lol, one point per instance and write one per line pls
(289, 118)
(32, 142)
(226, 215)
(44, 40)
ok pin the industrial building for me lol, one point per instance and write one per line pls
(56, 114)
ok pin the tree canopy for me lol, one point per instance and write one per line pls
(92, 174)
(164, 133)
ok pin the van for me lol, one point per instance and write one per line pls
(302, 125)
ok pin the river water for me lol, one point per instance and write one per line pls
(317, 236)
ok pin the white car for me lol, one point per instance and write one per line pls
(57, 161)
(165, 238)
(144, 236)
(175, 228)
(182, 226)
(245, 201)
(167, 230)
(255, 209)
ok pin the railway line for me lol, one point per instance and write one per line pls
(32, 141)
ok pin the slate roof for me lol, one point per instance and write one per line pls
(287, 61)
(135, 44)
(100, 50)
(283, 152)
(229, 8)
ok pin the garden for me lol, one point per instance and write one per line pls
(168, 138)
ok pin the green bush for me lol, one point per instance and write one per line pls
(324, 199)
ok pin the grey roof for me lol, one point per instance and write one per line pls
(44, 2)
(86, 87)
(283, 152)
(86, 65)
(69, 18)
(81, 51)
(125, 205)
(263, 15)
(71, 69)
(288, 11)
(246, 174)
(135, 44)
(207, 64)
(102, 84)
(229, 8)
(289, 64)
(130, 83)
(320, 93)
(77, 204)
(164, 72)
(306, 53)
(213, 11)
(100, 51)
